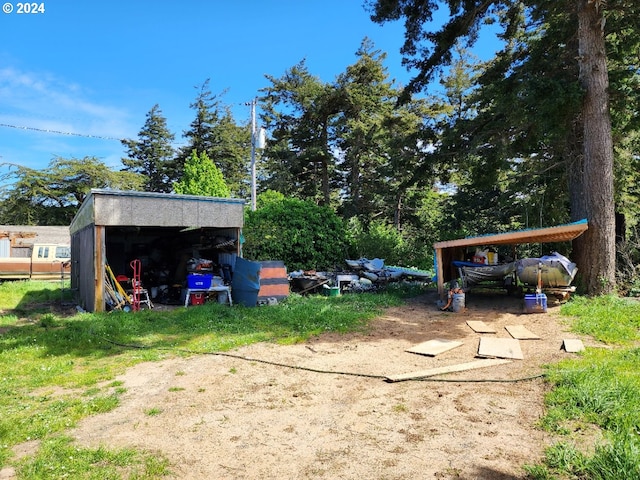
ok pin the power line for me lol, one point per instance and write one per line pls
(101, 137)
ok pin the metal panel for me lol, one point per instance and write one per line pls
(5, 247)
(561, 233)
(83, 267)
(145, 209)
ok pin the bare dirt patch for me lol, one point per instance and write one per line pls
(226, 418)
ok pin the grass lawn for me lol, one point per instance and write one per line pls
(598, 393)
(56, 369)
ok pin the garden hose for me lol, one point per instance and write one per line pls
(317, 370)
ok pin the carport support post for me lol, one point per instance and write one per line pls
(439, 273)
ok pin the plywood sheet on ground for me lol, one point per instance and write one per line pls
(434, 347)
(500, 348)
(479, 326)
(521, 332)
(459, 367)
(573, 345)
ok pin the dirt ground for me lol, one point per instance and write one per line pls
(220, 417)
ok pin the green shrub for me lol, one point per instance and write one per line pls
(381, 240)
(377, 241)
(302, 234)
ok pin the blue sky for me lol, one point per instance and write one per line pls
(94, 69)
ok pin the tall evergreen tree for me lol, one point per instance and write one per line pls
(214, 132)
(344, 143)
(368, 100)
(300, 111)
(591, 173)
(151, 154)
(379, 141)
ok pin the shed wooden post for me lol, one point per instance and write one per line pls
(98, 262)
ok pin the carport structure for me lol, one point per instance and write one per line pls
(162, 230)
(450, 250)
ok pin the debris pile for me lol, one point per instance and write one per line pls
(361, 275)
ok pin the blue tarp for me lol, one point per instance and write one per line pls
(246, 282)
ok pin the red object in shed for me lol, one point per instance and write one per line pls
(196, 298)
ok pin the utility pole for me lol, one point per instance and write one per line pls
(257, 141)
(253, 155)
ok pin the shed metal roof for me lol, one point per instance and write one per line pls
(150, 209)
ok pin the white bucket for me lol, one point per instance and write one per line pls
(223, 297)
(458, 302)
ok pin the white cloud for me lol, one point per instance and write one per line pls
(44, 101)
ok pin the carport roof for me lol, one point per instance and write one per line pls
(560, 233)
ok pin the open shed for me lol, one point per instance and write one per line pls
(164, 231)
(450, 250)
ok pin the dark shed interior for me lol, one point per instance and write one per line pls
(167, 254)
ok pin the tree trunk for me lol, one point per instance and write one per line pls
(397, 211)
(326, 187)
(574, 155)
(596, 257)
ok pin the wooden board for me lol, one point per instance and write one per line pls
(479, 326)
(500, 348)
(521, 332)
(460, 367)
(434, 347)
(573, 345)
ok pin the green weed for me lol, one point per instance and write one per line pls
(58, 457)
(608, 318)
(599, 390)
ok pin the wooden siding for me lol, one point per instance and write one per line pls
(274, 282)
(83, 268)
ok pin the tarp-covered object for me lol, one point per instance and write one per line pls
(246, 282)
(556, 270)
(475, 273)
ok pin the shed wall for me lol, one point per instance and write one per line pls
(84, 215)
(83, 273)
